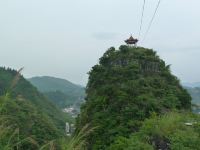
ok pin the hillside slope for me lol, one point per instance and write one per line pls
(29, 110)
(60, 91)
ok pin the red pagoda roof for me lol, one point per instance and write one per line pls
(131, 40)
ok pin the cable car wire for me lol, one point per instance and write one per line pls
(142, 16)
(152, 19)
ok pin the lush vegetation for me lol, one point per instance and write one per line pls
(24, 109)
(59, 98)
(22, 116)
(133, 102)
(13, 138)
(124, 89)
(167, 132)
(61, 92)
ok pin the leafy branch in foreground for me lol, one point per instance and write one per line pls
(10, 137)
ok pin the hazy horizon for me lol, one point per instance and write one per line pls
(65, 38)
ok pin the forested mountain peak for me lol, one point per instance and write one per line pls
(127, 86)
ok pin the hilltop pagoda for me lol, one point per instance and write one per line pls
(131, 41)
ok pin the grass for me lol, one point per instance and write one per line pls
(10, 135)
(77, 141)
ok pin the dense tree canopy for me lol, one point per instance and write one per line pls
(22, 107)
(127, 86)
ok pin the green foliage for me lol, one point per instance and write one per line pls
(164, 132)
(58, 98)
(77, 141)
(29, 119)
(28, 111)
(125, 88)
(61, 92)
(10, 139)
(133, 143)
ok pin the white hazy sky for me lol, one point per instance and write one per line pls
(65, 38)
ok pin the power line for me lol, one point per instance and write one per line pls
(141, 22)
(150, 24)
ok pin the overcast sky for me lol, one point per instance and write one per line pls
(65, 38)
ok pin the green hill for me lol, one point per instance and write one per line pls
(60, 91)
(24, 108)
(125, 88)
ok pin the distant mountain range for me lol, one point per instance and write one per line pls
(61, 92)
(194, 89)
(195, 93)
(192, 84)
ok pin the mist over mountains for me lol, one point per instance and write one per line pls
(191, 84)
(194, 89)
